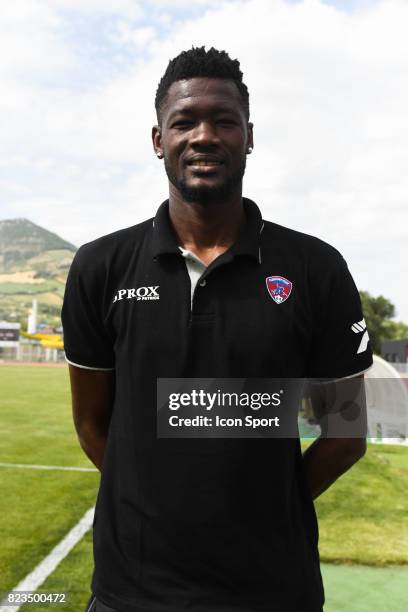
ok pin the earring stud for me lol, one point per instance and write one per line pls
(250, 149)
(159, 155)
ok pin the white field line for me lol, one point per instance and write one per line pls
(47, 467)
(35, 579)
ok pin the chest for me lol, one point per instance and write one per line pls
(239, 320)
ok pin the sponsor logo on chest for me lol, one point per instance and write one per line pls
(139, 293)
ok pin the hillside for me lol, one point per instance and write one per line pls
(21, 240)
(34, 263)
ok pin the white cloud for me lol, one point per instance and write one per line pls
(135, 36)
(328, 100)
(183, 4)
(29, 46)
(130, 9)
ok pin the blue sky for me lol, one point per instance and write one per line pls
(328, 91)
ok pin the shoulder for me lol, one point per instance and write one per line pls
(107, 251)
(112, 244)
(310, 250)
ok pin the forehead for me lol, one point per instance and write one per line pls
(202, 94)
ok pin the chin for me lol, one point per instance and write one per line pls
(202, 190)
(205, 194)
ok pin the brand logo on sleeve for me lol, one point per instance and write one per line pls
(141, 293)
(359, 328)
(279, 288)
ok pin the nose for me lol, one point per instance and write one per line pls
(204, 134)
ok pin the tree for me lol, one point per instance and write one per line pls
(378, 312)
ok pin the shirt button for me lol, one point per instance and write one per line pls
(203, 283)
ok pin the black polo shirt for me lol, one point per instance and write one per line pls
(208, 525)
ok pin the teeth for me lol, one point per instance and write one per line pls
(203, 162)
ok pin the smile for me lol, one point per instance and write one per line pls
(204, 163)
(205, 169)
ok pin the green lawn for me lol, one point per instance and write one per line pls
(9, 288)
(35, 417)
(363, 518)
(72, 576)
(38, 507)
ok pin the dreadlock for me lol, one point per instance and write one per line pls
(197, 62)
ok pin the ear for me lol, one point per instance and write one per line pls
(250, 140)
(156, 139)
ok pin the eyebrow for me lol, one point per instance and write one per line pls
(191, 112)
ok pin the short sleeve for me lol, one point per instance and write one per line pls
(87, 342)
(340, 344)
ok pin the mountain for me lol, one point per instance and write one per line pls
(34, 263)
(21, 239)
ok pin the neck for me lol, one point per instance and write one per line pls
(206, 229)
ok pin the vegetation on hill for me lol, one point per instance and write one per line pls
(34, 263)
(21, 240)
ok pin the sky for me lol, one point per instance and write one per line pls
(328, 99)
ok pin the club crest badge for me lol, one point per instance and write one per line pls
(279, 288)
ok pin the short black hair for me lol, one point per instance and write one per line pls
(197, 62)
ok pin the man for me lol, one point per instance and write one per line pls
(205, 289)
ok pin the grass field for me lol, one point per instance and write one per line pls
(38, 507)
(363, 518)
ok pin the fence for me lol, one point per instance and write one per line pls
(27, 351)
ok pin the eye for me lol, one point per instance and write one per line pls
(227, 121)
(182, 124)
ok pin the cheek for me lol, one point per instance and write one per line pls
(174, 152)
(236, 144)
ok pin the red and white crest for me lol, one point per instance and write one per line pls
(279, 288)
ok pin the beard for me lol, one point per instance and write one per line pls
(206, 194)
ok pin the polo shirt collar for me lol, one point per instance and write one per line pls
(248, 242)
(164, 239)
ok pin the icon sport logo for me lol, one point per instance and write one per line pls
(279, 288)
